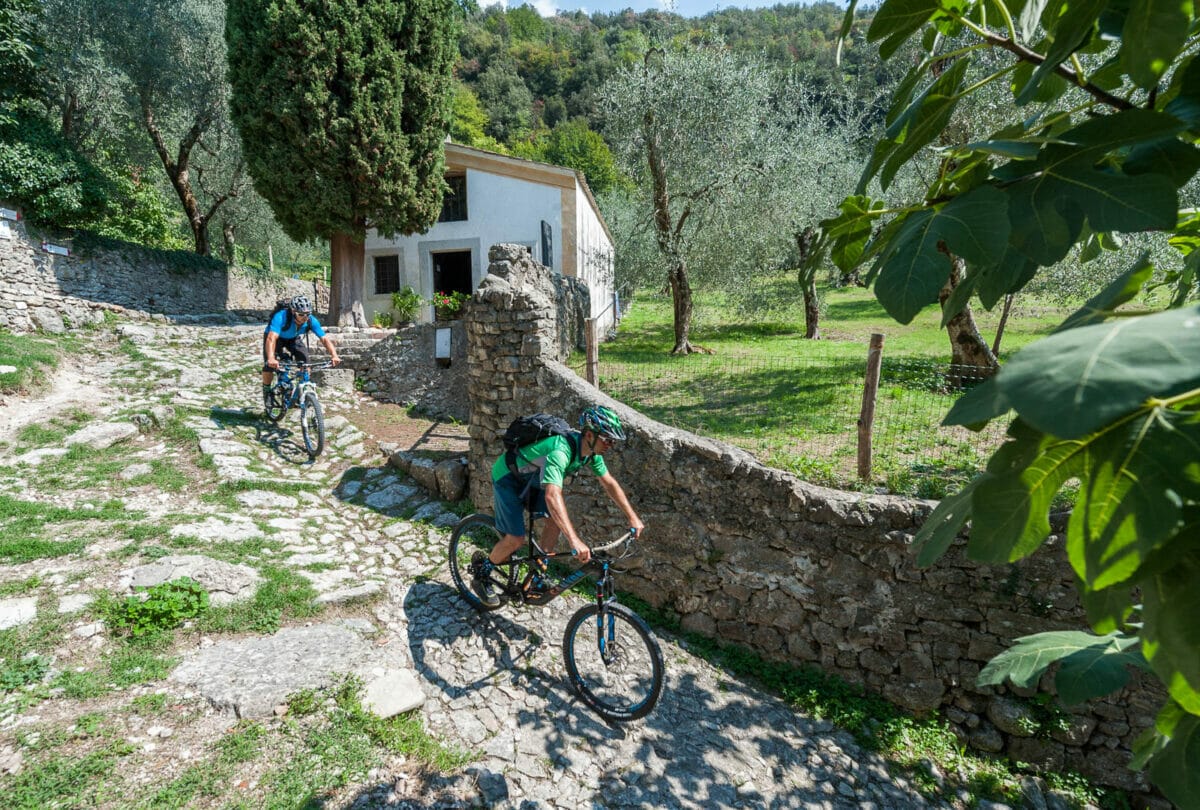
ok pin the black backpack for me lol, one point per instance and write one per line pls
(282, 305)
(525, 430)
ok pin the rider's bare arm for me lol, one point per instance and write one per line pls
(558, 513)
(618, 497)
(332, 349)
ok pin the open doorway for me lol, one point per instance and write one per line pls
(452, 272)
(452, 277)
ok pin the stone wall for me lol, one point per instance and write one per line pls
(402, 368)
(39, 290)
(799, 573)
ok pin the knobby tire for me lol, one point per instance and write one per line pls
(625, 681)
(476, 533)
(275, 403)
(312, 425)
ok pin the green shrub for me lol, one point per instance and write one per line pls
(383, 320)
(406, 302)
(164, 607)
(23, 672)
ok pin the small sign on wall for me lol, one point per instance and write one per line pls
(57, 250)
(441, 345)
(8, 213)
(5, 230)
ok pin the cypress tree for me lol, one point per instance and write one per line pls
(343, 106)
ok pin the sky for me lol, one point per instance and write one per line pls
(685, 8)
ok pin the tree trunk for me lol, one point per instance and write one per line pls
(812, 313)
(177, 169)
(970, 356)
(667, 235)
(228, 242)
(681, 298)
(1008, 299)
(808, 283)
(346, 256)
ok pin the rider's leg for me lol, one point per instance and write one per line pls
(509, 509)
(267, 374)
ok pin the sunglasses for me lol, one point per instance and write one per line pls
(302, 316)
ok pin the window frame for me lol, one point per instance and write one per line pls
(454, 203)
(376, 269)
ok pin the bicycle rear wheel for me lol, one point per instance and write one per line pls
(618, 672)
(274, 403)
(473, 534)
(312, 425)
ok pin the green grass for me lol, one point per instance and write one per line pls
(284, 595)
(33, 357)
(795, 403)
(29, 530)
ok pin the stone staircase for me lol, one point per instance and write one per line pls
(352, 344)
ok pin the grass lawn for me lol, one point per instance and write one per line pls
(30, 357)
(795, 403)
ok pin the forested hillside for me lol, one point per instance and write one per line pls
(114, 117)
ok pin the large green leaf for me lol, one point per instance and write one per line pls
(912, 270)
(1120, 290)
(914, 267)
(1170, 157)
(1140, 471)
(1029, 17)
(1068, 33)
(1184, 103)
(929, 119)
(975, 225)
(921, 121)
(1073, 382)
(1010, 507)
(979, 406)
(1012, 272)
(1107, 610)
(896, 20)
(848, 231)
(943, 524)
(1176, 768)
(959, 297)
(1051, 196)
(1092, 666)
(1154, 32)
(1170, 631)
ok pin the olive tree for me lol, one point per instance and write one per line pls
(688, 126)
(1099, 137)
(342, 108)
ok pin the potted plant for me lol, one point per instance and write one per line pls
(406, 302)
(448, 305)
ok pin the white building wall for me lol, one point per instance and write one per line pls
(499, 209)
(595, 260)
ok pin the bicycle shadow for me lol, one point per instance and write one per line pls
(285, 442)
(713, 740)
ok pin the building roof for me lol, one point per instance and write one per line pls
(459, 156)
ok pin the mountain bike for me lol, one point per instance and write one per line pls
(619, 673)
(294, 388)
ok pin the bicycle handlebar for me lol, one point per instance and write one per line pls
(626, 537)
(309, 366)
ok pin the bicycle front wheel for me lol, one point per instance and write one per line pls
(618, 670)
(312, 425)
(472, 539)
(274, 403)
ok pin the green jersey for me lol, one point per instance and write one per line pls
(551, 459)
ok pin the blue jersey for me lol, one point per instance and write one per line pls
(293, 329)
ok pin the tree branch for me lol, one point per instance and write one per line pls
(1026, 55)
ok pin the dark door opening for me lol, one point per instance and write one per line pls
(451, 275)
(452, 272)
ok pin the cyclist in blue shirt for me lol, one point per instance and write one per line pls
(282, 337)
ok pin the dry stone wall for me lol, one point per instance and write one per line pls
(40, 290)
(754, 556)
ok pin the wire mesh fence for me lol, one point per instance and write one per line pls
(801, 412)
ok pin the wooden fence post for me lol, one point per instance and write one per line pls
(866, 417)
(593, 351)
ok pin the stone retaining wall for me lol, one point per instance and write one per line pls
(799, 573)
(39, 290)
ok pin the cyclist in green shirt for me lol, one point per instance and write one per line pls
(542, 467)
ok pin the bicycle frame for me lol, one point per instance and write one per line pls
(537, 562)
(296, 386)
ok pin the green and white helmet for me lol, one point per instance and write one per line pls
(603, 422)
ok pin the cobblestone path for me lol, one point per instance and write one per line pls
(495, 685)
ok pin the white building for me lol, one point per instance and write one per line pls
(494, 198)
